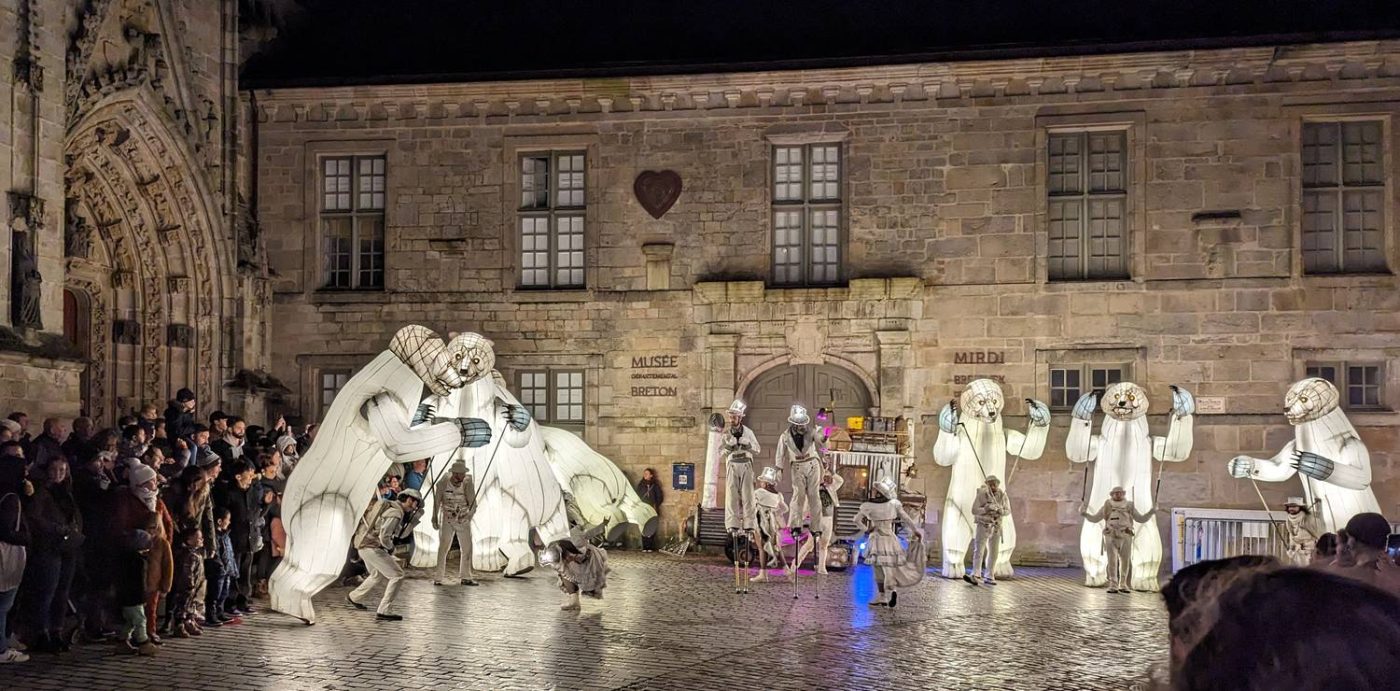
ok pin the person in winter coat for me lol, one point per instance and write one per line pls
(187, 583)
(160, 565)
(135, 521)
(56, 525)
(95, 488)
(219, 572)
(245, 532)
(179, 415)
(990, 507)
(883, 549)
(48, 445)
(14, 539)
(375, 540)
(649, 490)
(78, 448)
(454, 504)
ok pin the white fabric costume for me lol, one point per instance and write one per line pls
(830, 502)
(454, 504)
(1120, 520)
(1124, 450)
(802, 462)
(772, 510)
(1304, 528)
(882, 548)
(972, 440)
(375, 544)
(1326, 451)
(521, 479)
(739, 446)
(366, 430)
(992, 512)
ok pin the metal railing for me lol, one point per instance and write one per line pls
(1205, 534)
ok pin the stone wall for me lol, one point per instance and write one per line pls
(945, 223)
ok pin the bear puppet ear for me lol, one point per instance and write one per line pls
(451, 335)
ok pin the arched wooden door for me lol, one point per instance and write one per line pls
(771, 395)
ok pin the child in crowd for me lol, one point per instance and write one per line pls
(220, 572)
(189, 573)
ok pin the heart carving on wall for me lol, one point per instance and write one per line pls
(657, 191)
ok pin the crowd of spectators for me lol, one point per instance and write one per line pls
(162, 526)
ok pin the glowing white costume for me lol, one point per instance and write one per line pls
(366, 430)
(1326, 451)
(1124, 450)
(976, 448)
(522, 477)
(772, 510)
(738, 447)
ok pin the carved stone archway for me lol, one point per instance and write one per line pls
(148, 250)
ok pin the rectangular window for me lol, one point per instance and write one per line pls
(807, 214)
(1343, 197)
(1069, 382)
(352, 222)
(1087, 184)
(552, 203)
(332, 381)
(1360, 383)
(553, 396)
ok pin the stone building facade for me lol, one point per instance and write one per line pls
(119, 156)
(1221, 219)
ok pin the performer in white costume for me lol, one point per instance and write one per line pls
(1120, 520)
(972, 440)
(738, 446)
(882, 549)
(831, 485)
(800, 455)
(1124, 450)
(364, 432)
(771, 513)
(454, 503)
(375, 542)
(1303, 528)
(1326, 451)
(992, 511)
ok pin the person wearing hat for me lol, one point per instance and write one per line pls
(799, 454)
(1120, 520)
(738, 446)
(135, 519)
(831, 485)
(1304, 528)
(454, 503)
(1367, 537)
(770, 506)
(179, 415)
(581, 565)
(882, 548)
(286, 445)
(988, 509)
(374, 540)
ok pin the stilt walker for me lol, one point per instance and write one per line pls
(771, 509)
(1120, 521)
(883, 550)
(991, 506)
(738, 447)
(799, 454)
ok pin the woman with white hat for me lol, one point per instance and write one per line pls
(883, 549)
(770, 506)
(1304, 528)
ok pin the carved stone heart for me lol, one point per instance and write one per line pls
(657, 191)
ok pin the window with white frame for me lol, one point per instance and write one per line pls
(807, 215)
(332, 381)
(1343, 197)
(552, 202)
(1362, 384)
(352, 222)
(1069, 382)
(1087, 209)
(553, 396)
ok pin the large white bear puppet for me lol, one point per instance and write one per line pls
(523, 476)
(971, 440)
(1124, 450)
(1326, 451)
(367, 429)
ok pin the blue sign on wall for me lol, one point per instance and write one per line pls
(683, 477)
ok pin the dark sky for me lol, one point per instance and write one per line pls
(378, 41)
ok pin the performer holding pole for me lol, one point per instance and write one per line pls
(990, 507)
(883, 550)
(1304, 528)
(1120, 521)
(738, 448)
(799, 452)
(770, 505)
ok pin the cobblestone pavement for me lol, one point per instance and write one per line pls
(667, 623)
